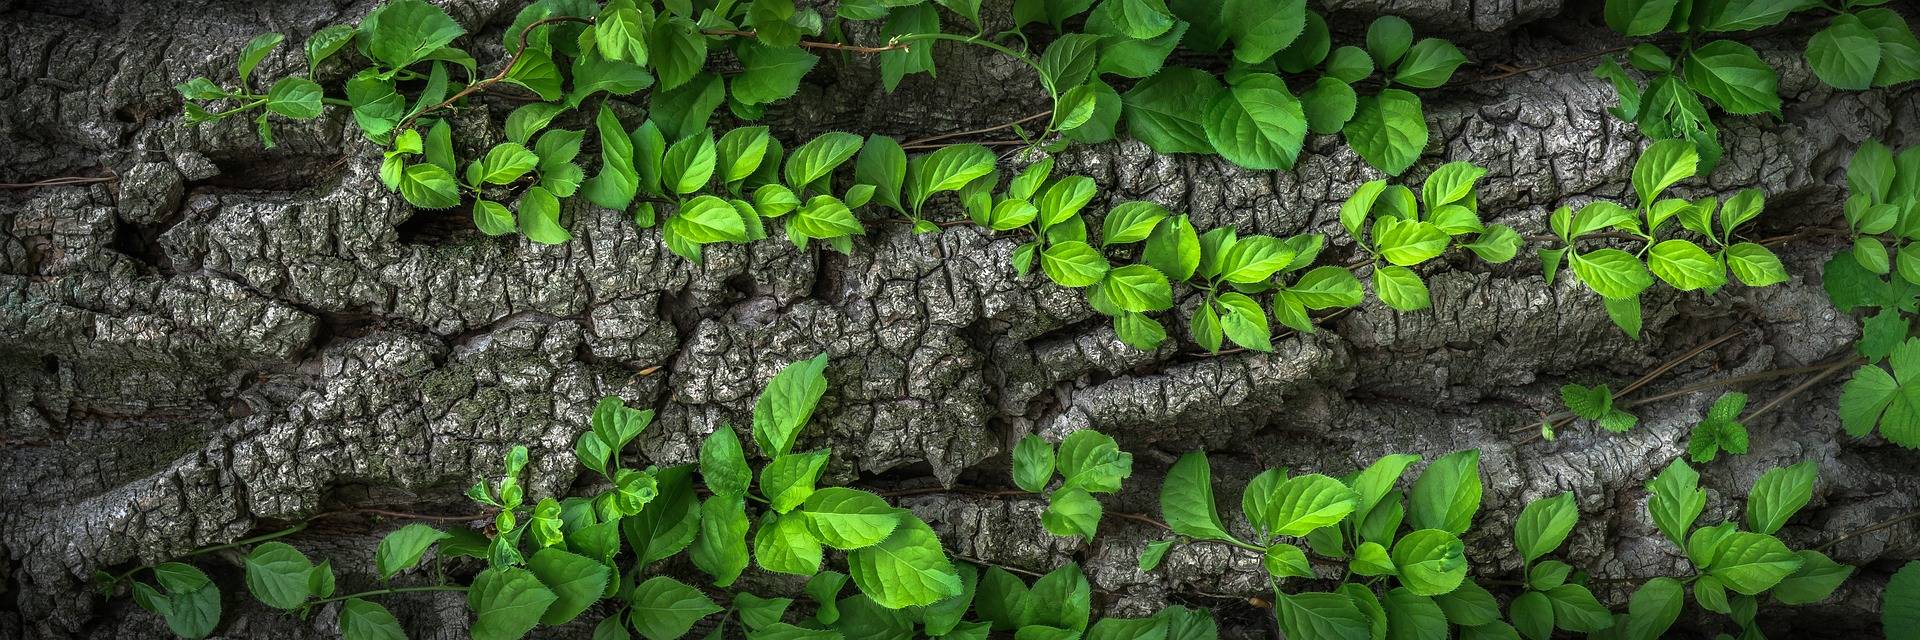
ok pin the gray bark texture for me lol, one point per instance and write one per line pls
(228, 340)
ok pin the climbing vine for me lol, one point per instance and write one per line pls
(548, 561)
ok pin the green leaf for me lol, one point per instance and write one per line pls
(1154, 552)
(256, 51)
(882, 164)
(1245, 323)
(1685, 265)
(1447, 494)
(1257, 123)
(1407, 242)
(1734, 77)
(663, 608)
(1286, 561)
(789, 480)
(1186, 499)
(1749, 563)
(1328, 287)
(758, 613)
(1173, 248)
(1002, 600)
(1575, 609)
(576, 581)
(363, 620)
(1429, 64)
(1072, 512)
(1255, 259)
(1061, 599)
(1388, 130)
(1873, 397)
(947, 169)
(1497, 244)
(1371, 559)
(667, 524)
(1167, 110)
(507, 602)
(1654, 607)
(540, 217)
(1330, 616)
(849, 518)
(1612, 273)
(1815, 580)
(1308, 502)
(1899, 50)
(1544, 524)
(1093, 461)
(295, 97)
(429, 187)
(787, 404)
(1388, 38)
(620, 32)
(1073, 264)
(1130, 222)
(1414, 616)
(771, 73)
(1329, 105)
(1900, 603)
(1532, 615)
(906, 569)
(690, 163)
(783, 544)
(593, 74)
(1676, 500)
(810, 162)
(505, 163)
(1778, 494)
(535, 71)
(1400, 288)
(401, 550)
(1755, 265)
(1431, 561)
(825, 217)
(723, 465)
(1349, 64)
(685, 110)
(1469, 606)
(1659, 166)
(277, 575)
(1846, 54)
(326, 42)
(721, 548)
(677, 51)
(1452, 182)
(1068, 61)
(1639, 17)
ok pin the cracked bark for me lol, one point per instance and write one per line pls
(230, 339)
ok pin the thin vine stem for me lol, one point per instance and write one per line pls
(1883, 524)
(809, 44)
(497, 77)
(388, 591)
(250, 541)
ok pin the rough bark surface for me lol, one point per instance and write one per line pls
(229, 339)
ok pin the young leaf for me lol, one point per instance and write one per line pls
(1186, 499)
(295, 97)
(849, 518)
(1073, 264)
(783, 544)
(1659, 166)
(1093, 461)
(723, 465)
(663, 608)
(906, 569)
(1543, 525)
(721, 548)
(507, 603)
(1734, 77)
(787, 404)
(256, 51)
(277, 575)
(789, 480)
(1257, 123)
(576, 582)
(363, 620)
(1167, 110)
(772, 73)
(1846, 54)
(1778, 494)
(884, 165)
(947, 169)
(810, 162)
(1749, 563)
(1032, 463)
(1400, 288)
(401, 550)
(1308, 502)
(1448, 493)
(1389, 130)
(1072, 512)
(1429, 64)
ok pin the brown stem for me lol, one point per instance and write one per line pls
(1866, 530)
(808, 44)
(984, 143)
(498, 77)
(1769, 406)
(58, 182)
(973, 132)
(1511, 72)
(1141, 518)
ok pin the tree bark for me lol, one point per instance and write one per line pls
(228, 339)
